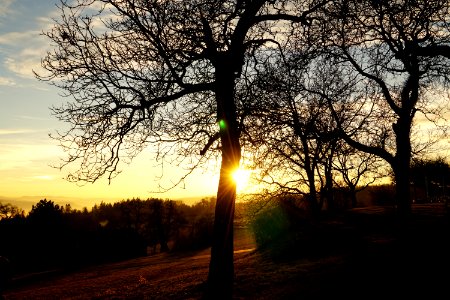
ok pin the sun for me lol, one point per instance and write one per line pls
(241, 178)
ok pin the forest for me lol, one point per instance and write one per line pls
(53, 236)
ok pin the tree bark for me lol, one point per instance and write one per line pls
(402, 166)
(312, 196)
(352, 191)
(221, 268)
(310, 167)
(402, 191)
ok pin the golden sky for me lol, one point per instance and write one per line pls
(27, 152)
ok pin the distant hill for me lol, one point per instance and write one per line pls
(26, 202)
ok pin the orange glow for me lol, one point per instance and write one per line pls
(241, 178)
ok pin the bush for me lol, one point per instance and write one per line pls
(383, 195)
(197, 235)
(269, 225)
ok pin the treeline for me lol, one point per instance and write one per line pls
(52, 236)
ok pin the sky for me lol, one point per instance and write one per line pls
(27, 153)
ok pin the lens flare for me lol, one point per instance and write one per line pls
(222, 124)
(241, 178)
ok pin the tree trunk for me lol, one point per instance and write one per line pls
(329, 189)
(402, 191)
(352, 192)
(402, 166)
(312, 195)
(221, 268)
(310, 166)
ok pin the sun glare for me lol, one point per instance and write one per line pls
(241, 178)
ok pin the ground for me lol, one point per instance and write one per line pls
(363, 254)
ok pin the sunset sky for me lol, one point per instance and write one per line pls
(27, 152)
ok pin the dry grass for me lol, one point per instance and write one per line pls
(370, 255)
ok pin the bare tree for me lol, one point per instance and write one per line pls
(8, 211)
(296, 140)
(396, 53)
(431, 177)
(357, 170)
(300, 150)
(162, 72)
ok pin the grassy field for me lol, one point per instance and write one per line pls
(362, 254)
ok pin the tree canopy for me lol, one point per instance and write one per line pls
(180, 76)
(392, 61)
(164, 73)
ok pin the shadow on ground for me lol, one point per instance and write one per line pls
(362, 254)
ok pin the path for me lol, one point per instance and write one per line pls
(159, 276)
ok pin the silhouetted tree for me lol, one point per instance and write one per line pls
(173, 219)
(105, 214)
(357, 170)
(202, 220)
(8, 211)
(131, 213)
(163, 222)
(432, 176)
(46, 234)
(46, 213)
(295, 134)
(395, 57)
(143, 72)
(5, 274)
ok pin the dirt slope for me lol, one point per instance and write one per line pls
(365, 254)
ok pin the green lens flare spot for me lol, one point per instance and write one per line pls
(222, 124)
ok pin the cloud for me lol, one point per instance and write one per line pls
(42, 177)
(15, 38)
(7, 81)
(5, 7)
(23, 51)
(15, 131)
(27, 156)
(23, 65)
(31, 178)
(33, 118)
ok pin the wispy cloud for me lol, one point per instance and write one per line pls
(23, 50)
(24, 53)
(23, 58)
(42, 177)
(32, 178)
(27, 156)
(16, 131)
(15, 38)
(5, 7)
(23, 65)
(7, 81)
(23, 117)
